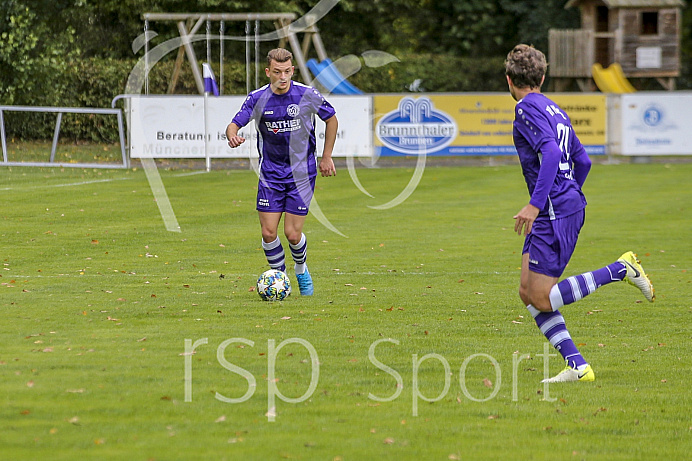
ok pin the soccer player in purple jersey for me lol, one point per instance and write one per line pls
(555, 166)
(284, 113)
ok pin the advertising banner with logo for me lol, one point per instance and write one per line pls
(173, 127)
(472, 124)
(655, 123)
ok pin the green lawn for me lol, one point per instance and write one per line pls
(98, 300)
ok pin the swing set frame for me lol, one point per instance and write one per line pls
(190, 23)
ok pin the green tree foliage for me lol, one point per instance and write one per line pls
(33, 58)
(685, 80)
(80, 52)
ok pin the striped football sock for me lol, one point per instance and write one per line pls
(275, 254)
(552, 325)
(299, 252)
(574, 288)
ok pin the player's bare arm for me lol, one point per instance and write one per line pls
(232, 135)
(326, 166)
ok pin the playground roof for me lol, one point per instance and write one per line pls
(633, 3)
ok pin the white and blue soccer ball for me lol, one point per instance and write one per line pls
(273, 285)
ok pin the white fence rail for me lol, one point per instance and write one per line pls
(59, 111)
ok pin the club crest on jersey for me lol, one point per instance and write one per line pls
(293, 110)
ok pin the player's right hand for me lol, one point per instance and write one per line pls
(525, 218)
(235, 141)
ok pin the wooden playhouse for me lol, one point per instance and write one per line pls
(642, 36)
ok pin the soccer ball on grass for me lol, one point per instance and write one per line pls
(273, 285)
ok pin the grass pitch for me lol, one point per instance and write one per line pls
(420, 343)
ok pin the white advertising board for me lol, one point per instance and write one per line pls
(173, 127)
(656, 123)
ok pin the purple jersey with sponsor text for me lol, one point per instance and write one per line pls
(537, 120)
(285, 126)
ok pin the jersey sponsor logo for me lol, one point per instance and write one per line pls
(283, 126)
(268, 112)
(533, 261)
(293, 110)
(263, 202)
(415, 127)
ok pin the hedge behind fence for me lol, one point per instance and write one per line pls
(95, 82)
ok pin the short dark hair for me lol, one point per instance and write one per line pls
(526, 66)
(278, 55)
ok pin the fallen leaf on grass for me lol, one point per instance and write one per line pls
(487, 383)
(388, 441)
(220, 419)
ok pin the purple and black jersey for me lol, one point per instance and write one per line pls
(286, 130)
(552, 158)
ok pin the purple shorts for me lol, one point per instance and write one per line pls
(290, 197)
(551, 243)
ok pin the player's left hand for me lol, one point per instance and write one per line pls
(327, 167)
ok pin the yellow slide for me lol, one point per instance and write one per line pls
(611, 79)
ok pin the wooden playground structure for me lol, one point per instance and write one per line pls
(286, 32)
(641, 36)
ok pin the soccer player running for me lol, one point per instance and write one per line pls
(555, 166)
(284, 113)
